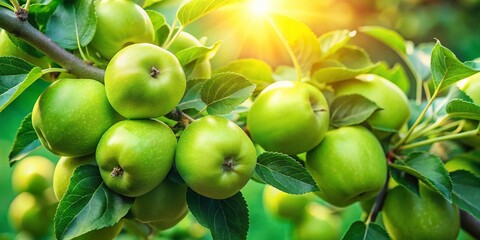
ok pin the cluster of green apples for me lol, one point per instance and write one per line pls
(117, 125)
(31, 211)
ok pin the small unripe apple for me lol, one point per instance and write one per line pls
(64, 171)
(33, 174)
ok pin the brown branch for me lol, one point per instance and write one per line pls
(470, 224)
(25, 31)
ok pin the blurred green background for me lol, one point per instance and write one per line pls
(454, 23)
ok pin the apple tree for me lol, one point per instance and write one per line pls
(147, 131)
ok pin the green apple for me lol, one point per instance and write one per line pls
(406, 216)
(318, 223)
(288, 117)
(166, 202)
(31, 214)
(471, 86)
(33, 174)
(389, 97)
(144, 81)
(107, 233)
(134, 156)
(120, 23)
(202, 68)
(284, 205)
(215, 157)
(8, 48)
(71, 115)
(64, 171)
(349, 165)
(168, 223)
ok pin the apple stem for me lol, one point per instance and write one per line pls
(154, 72)
(117, 171)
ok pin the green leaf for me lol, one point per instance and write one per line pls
(188, 55)
(25, 47)
(225, 91)
(388, 37)
(396, 75)
(284, 73)
(404, 179)
(256, 71)
(446, 68)
(26, 140)
(226, 219)
(330, 42)
(195, 9)
(72, 22)
(429, 169)
(361, 231)
(466, 191)
(463, 109)
(284, 173)
(300, 39)
(158, 20)
(351, 110)
(192, 97)
(475, 64)
(42, 11)
(16, 75)
(88, 205)
(420, 57)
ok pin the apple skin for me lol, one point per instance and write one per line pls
(64, 171)
(349, 165)
(284, 205)
(120, 23)
(202, 68)
(33, 174)
(107, 233)
(288, 117)
(168, 223)
(215, 157)
(388, 96)
(8, 48)
(166, 202)
(132, 89)
(318, 223)
(406, 216)
(134, 156)
(71, 115)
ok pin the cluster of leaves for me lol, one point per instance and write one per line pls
(324, 60)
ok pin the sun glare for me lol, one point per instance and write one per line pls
(259, 7)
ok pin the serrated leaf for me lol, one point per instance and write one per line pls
(420, 57)
(256, 71)
(408, 181)
(388, 37)
(192, 97)
(351, 110)
(284, 173)
(396, 75)
(26, 140)
(77, 22)
(300, 39)
(466, 191)
(330, 42)
(188, 55)
(446, 68)
(195, 9)
(361, 231)
(16, 75)
(225, 91)
(429, 169)
(226, 219)
(88, 204)
(463, 109)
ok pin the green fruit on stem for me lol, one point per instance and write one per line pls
(120, 23)
(134, 156)
(31, 214)
(167, 223)
(430, 216)
(144, 81)
(202, 68)
(389, 97)
(349, 165)
(166, 202)
(215, 157)
(64, 171)
(284, 205)
(71, 115)
(318, 223)
(288, 117)
(33, 174)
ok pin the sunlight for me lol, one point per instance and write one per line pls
(259, 7)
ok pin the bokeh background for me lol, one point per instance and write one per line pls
(454, 23)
